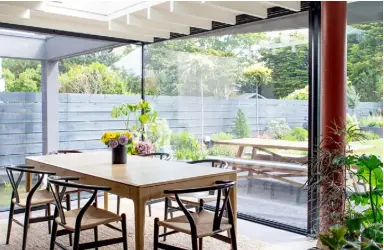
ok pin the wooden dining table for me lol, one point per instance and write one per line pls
(140, 179)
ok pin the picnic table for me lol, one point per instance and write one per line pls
(270, 160)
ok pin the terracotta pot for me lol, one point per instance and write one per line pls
(119, 155)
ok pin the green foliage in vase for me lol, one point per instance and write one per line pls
(241, 128)
(161, 136)
(143, 115)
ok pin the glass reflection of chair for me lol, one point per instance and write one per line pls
(161, 156)
(80, 219)
(33, 200)
(202, 223)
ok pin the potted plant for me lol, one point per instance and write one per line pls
(360, 224)
(118, 143)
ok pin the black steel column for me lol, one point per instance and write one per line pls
(313, 112)
(142, 80)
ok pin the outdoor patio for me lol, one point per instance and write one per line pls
(134, 102)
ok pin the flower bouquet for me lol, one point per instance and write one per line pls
(118, 142)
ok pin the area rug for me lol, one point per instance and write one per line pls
(38, 237)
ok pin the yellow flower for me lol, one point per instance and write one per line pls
(128, 135)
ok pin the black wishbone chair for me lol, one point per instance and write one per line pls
(161, 156)
(32, 201)
(202, 223)
(193, 200)
(87, 217)
(72, 191)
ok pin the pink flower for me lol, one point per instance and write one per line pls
(113, 143)
(143, 148)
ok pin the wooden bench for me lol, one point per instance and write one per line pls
(265, 169)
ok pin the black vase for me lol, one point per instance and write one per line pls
(119, 155)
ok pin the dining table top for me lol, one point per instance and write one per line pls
(282, 144)
(138, 171)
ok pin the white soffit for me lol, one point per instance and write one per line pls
(133, 20)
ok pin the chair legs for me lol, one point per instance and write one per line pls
(96, 234)
(233, 239)
(149, 210)
(48, 213)
(124, 231)
(76, 241)
(10, 220)
(201, 244)
(68, 204)
(26, 226)
(156, 233)
(118, 205)
(165, 216)
(53, 236)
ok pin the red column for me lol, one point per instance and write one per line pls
(333, 101)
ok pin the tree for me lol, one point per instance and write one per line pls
(27, 81)
(289, 68)
(365, 61)
(253, 77)
(18, 66)
(241, 128)
(94, 78)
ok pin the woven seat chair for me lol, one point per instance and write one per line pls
(34, 200)
(161, 156)
(72, 190)
(193, 200)
(202, 223)
(80, 219)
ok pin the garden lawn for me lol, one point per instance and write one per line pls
(378, 150)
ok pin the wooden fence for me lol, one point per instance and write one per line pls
(83, 118)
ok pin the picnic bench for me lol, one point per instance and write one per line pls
(267, 161)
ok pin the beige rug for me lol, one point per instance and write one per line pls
(38, 237)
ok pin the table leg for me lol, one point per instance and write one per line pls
(233, 199)
(254, 153)
(106, 200)
(240, 151)
(139, 223)
(28, 182)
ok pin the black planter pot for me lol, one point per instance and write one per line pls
(119, 155)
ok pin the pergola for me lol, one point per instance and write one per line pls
(65, 29)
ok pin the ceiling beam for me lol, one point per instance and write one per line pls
(166, 16)
(202, 11)
(84, 28)
(125, 28)
(290, 5)
(165, 26)
(133, 8)
(33, 5)
(14, 11)
(242, 7)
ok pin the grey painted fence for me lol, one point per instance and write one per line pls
(83, 118)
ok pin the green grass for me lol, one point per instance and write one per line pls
(378, 150)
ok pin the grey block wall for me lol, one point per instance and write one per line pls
(83, 118)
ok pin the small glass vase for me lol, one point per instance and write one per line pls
(119, 155)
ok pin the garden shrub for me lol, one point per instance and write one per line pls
(297, 134)
(241, 128)
(352, 122)
(278, 128)
(184, 141)
(370, 135)
(187, 154)
(221, 150)
(159, 137)
(371, 121)
(221, 136)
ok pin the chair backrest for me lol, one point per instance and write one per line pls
(59, 185)
(214, 163)
(68, 151)
(12, 172)
(223, 189)
(161, 156)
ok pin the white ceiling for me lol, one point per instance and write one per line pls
(134, 20)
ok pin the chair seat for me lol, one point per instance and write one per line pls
(40, 197)
(203, 220)
(93, 217)
(194, 198)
